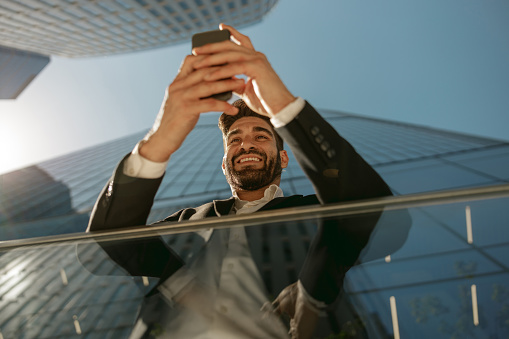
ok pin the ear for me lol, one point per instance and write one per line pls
(222, 164)
(284, 158)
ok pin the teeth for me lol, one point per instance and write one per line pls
(249, 159)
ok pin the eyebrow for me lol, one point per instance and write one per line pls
(262, 129)
(255, 129)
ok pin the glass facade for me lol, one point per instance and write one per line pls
(32, 30)
(443, 275)
(92, 28)
(411, 159)
(434, 277)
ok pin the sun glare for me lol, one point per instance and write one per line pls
(13, 146)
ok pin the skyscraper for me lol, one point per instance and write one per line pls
(455, 253)
(31, 31)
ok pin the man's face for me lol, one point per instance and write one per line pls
(251, 158)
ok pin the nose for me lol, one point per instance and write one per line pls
(247, 144)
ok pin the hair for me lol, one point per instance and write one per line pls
(226, 121)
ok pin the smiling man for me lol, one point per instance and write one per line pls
(253, 132)
(254, 157)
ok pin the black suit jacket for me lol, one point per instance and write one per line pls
(337, 172)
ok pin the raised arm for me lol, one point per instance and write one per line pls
(337, 172)
(128, 196)
(331, 163)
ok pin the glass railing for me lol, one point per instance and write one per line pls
(420, 266)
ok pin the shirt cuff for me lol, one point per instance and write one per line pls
(288, 113)
(316, 306)
(139, 167)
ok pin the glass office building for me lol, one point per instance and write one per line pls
(33, 30)
(447, 278)
(92, 28)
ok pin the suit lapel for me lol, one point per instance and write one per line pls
(284, 202)
(223, 207)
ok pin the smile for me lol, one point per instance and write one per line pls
(248, 159)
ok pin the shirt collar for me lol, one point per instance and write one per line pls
(273, 191)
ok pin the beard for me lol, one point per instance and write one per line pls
(252, 179)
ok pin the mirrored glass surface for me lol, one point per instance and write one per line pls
(425, 271)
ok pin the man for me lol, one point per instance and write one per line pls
(253, 161)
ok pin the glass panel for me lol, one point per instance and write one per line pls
(437, 271)
(430, 175)
(492, 161)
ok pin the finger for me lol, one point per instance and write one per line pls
(255, 105)
(213, 105)
(251, 99)
(226, 56)
(187, 65)
(217, 47)
(284, 305)
(208, 88)
(276, 307)
(247, 67)
(241, 38)
(191, 79)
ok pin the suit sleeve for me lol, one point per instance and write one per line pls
(337, 171)
(338, 174)
(126, 202)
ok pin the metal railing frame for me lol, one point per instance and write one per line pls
(282, 215)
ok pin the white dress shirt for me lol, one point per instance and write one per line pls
(224, 281)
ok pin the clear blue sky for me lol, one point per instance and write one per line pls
(439, 63)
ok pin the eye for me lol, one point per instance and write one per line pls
(233, 140)
(261, 137)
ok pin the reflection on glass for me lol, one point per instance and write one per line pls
(475, 311)
(395, 287)
(470, 238)
(252, 289)
(394, 315)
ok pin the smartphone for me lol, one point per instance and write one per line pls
(209, 37)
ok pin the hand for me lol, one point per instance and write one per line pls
(197, 298)
(182, 107)
(303, 316)
(263, 92)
